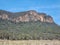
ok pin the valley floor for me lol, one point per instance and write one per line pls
(30, 42)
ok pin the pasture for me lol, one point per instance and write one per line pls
(29, 42)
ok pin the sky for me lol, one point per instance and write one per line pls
(50, 7)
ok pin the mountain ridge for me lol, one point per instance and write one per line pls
(28, 25)
(26, 16)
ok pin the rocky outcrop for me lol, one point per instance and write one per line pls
(27, 16)
(4, 16)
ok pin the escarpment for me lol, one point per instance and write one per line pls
(26, 16)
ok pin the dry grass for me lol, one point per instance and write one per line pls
(30, 42)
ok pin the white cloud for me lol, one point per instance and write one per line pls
(35, 8)
(48, 7)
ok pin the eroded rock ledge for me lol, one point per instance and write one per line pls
(26, 16)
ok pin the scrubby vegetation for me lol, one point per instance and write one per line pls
(28, 30)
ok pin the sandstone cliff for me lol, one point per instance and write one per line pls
(26, 16)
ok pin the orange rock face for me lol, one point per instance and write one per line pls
(4, 16)
(29, 16)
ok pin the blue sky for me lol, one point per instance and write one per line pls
(50, 7)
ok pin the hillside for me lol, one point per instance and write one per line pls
(28, 25)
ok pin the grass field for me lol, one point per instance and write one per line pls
(30, 42)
